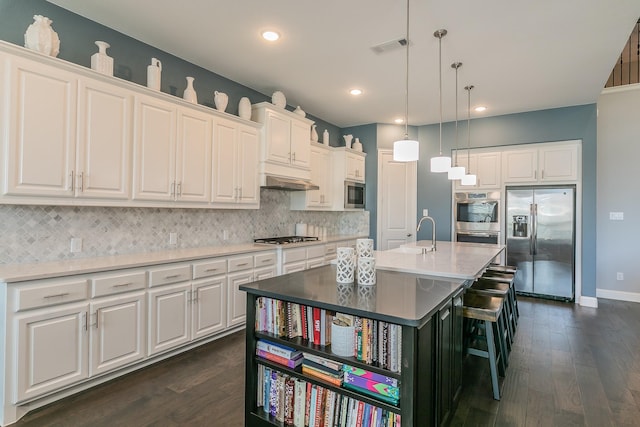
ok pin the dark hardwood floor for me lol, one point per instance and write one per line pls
(570, 366)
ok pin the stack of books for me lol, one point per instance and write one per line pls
(279, 353)
(372, 384)
(324, 369)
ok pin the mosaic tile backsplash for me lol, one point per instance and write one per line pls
(43, 233)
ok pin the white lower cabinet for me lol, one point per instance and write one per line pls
(117, 331)
(51, 350)
(169, 316)
(208, 306)
(237, 300)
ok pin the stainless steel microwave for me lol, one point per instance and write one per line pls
(354, 195)
(479, 211)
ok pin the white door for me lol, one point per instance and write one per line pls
(117, 332)
(193, 156)
(208, 307)
(397, 201)
(52, 350)
(169, 317)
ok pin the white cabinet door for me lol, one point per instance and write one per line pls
(154, 149)
(278, 138)
(42, 130)
(300, 148)
(520, 165)
(247, 174)
(559, 163)
(208, 307)
(264, 273)
(355, 167)
(488, 170)
(169, 317)
(225, 188)
(318, 177)
(237, 299)
(193, 157)
(118, 333)
(294, 267)
(104, 141)
(51, 350)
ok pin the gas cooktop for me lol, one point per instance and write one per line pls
(285, 240)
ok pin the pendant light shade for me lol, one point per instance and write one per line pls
(440, 163)
(456, 172)
(406, 150)
(469, 178)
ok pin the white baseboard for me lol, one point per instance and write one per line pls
(618, 295)
(589, 301)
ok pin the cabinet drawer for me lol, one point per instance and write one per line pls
(166, 275)
(117, 282)
(209, 268)
(265, 259)
(240, 263)
(51, 293)
(315, 251)
(294, 255)
(330, 250)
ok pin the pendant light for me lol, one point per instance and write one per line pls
(469, 178)
(456, 172)
(406, 150)
(440, 163)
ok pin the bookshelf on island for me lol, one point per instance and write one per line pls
(324, 353)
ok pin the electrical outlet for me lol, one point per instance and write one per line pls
(173, 238)
(225, 234)
(619, 276)
(425, 212)
(76, 245)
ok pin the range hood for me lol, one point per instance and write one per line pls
(291, 184)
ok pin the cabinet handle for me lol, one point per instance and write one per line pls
(179, 191)
(535, 174)
(173, 276)
(209, 270)
(81, 182)
(122, 285)
(84, 320)
(72, 177)
(445, 315)
(64, 294)
(97, 317)
(173, 189)
(240, 193)
(266, 260)
(542, 172)
(457, 302)
(242, 264)
(194, 297)
(294, 156)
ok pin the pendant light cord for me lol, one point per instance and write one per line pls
(456, 65)
(406, 108)
(440, 83)
(468, 88)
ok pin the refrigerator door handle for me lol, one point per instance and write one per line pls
(534, 234)
(531, 229)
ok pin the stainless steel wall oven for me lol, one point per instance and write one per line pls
(477, 217)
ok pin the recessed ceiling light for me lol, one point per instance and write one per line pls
(355, 92)
(480, 109)
(399, 120)
(270, 35)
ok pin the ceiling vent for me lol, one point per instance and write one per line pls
(390, 45)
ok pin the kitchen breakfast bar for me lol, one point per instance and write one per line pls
(418, 293)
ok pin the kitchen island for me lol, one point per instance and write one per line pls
(421, 294)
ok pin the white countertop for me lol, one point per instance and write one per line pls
(451, 259)
(34, 271)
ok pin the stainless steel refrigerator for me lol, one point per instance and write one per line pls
(540, 230)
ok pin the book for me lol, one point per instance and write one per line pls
(267, 390)
(280, 386)
(321, 376)
(289, 387)
(318, 418)
(310, 323)
(368, 393)
(303, 322)
(300, 398)
(332, 364)
(322, 367)
(359, 414)
(312, 406)
(282, 315)
(296, 322)
(366, 415)
(307, 404)
(289, 363)
(278, 349)
(260, 393)
(372, 386)
(370, 375)
(273, 394)
(316, 325)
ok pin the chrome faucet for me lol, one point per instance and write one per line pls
(433, 233)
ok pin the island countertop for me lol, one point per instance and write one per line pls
(451, 259)
(401, 298)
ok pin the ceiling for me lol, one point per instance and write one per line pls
(520, 55)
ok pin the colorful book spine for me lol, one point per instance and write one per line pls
(312, 406)
(278, 349)
(290, 363)
(289, 390)
(307, 407)
(300, 397)
(372, 386)
(331, 364)
(370, 375)
(321, 367)
(316, 325)
(273, 394)
(321, 376)
(280, 390)
(366, 392)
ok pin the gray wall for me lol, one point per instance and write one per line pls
(618, 154)
(558, 124)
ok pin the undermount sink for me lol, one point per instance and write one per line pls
(410, 250)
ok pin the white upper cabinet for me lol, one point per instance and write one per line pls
(486, 167)
(557, 162)
(193, 156)
(235, 160)
(40, 150)
(354, 166)
(300, 149)
(322, 176)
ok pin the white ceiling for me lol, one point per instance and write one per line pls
(520, 55)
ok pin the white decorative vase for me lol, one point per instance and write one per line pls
(41, 37)
(345, 266)
(299, 111)
(347, 140)
(366, 271)
(325, 137)
(190, 93)
(244, 108)
(100, 61)
(364, 248)
(221, 100)
(314, 134)
(154, 72)
(357, 145)
(278, 99)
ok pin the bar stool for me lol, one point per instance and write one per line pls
(506, 278)
(482, 314)
(502, 268)
(501, 290)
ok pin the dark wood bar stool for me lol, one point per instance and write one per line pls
(506, 278)
(502, 268)
(501, 290)
(483, 330)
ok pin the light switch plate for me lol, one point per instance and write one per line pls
(76, 245)
(616, 216)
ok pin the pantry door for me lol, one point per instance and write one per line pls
(397, 201)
